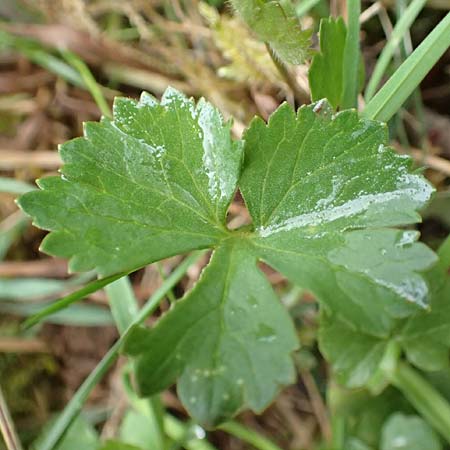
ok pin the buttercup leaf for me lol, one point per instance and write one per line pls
(355, 356)
(154, 182)
(425, 337)
(312, 182)
(275, 22)
(221, 341)
(324, 192)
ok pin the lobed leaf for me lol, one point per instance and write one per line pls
(154, 182)
(324, 192)
(326, 71)
(276, 23)
(425, 338)
(355, 356)
(228, 341)
(312, 182)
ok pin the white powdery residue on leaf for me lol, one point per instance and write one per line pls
(336, 184)
(411, 187)
(362, 130)
(408, 237)
(412, 289)
(171, 96)
(147, 100)
(210, 122)
(155, 150)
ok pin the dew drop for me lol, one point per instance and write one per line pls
(265, 333)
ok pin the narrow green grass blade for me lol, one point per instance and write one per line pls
(69, 299)
(76, 403)
(40, 56)
(402, 26)
(250, 436)
(409, 75)
(89, 81)
(12, 186)
(351, 56)
(74, 315)
(305, 6)
(122, 302)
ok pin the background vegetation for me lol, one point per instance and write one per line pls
(59, 60)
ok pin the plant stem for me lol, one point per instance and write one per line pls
(76, 403)
(69, 299)
(287, 76)
(170, 294)
(424, 397)
(338, 432)
(351, 56)
(7, 426)
(177, 431)
(247, 435)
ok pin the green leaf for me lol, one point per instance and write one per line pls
(221, 341)
(312, 182)
(324, 192)
(352, 56)
(275, 22)
(117, 445)
(81, 434)
(355, 356)
(137, 429)
(326, 71)
(408, 433)
(426, 336)
(162, 188)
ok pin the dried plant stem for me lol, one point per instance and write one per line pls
(7, 427)
(300, 95)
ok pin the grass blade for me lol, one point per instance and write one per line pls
(247, 435)
(409, 75)
(69, 299)
(76, 403)
(305, 6)
(402, 26)
(74, 315)
(12, 186)
(91, 84)
(122, 302)
(351, 56)
(37, 54)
